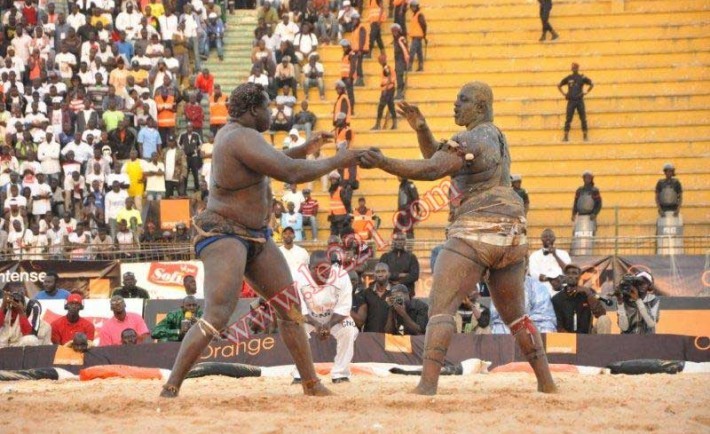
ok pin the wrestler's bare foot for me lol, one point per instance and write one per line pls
(315, 388)
(169, 391)
(547, 388)
(422, 389)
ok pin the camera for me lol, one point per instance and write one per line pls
(628, 281)
(398, 299)
(567, 282)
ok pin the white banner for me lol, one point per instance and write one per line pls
(95, 310)
(163, 280)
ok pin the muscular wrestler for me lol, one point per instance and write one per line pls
(487, 230)
(232, 238)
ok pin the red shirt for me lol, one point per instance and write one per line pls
(63, 331)
(195, 114)
(25, 326)
(205, 84)
(309, 207)
(30, 14)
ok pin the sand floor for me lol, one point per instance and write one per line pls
(505, 403)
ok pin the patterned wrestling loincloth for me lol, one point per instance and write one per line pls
(211, 227)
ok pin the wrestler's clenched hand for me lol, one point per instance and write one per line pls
(372, 158)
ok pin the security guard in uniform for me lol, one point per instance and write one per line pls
(348, 72)
(587, 199)
(545, 9)
(376, 16)
(401, 59)
(387, 86)
(417, 31)
(575, 98)
(669, 192)
(360, 44)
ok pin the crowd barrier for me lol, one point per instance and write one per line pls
(268, 350)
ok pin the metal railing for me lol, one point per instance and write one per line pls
(183, 251)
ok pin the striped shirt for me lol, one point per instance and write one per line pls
(309, 207)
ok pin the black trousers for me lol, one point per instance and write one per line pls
(358, 63)
(401, 71)
(400, 17)
(194, 164)
(572, 105)
(172, 186)
(376, 36)
(545, 9)
(337, 224)
(386, 99)
(351, 93)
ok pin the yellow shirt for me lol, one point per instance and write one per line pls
(157, 9)
(139, 75)
(127, 215)
(134, 170)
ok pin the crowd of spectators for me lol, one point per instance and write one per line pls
(91, 102)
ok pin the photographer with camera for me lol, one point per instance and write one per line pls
(547, 263)
(15, 329)
(637, 305)
(575, 305)
(407, 316)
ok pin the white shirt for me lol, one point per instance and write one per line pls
(322, 301)
(263, 80)
(547, 265)
(286, 31)
(155, 183)
(168, 26)
(65, 62)
(18, 200)
(129, 23)
(41, 206)
(170, 164)
(296, 258)
(76, 20)
(114, 202)
(82, 152)
(297, 199)
(190, 25)
(305, 43)
(67, 226)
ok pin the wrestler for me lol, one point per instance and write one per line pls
(487, 229)
(232, 238)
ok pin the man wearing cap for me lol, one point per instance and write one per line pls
(517, 181)
(587, 199)
(313, 76)
(296, 256)
(575, 83)
(401, 59)
(64, 328)
(129, 288)
(575, 305)
(215, 34)
(111, 332)
(418, 33)
(345, 17)
(669, 192)
(348, 74)
(638, 309)
(309, 211)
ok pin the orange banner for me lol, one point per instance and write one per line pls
(174, 211)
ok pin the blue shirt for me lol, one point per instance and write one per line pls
(126, 49)
(62, 294)
(295, 221)
(149, 138)
(538, 306)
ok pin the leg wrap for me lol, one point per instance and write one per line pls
(438, 337)
(525, 325)
(208, 329)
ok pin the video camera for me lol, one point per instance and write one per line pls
(628, 281)
(567, 282)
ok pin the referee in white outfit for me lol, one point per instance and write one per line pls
(326, 300)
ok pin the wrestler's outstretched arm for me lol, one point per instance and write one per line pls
(311, 146)
(440, 164)
(254, 152)
(427, 143)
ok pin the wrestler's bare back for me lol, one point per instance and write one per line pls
(236, 191)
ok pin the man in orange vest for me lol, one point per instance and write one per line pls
(376, 16)
(417, 31)
(344, 137)
(360, 43)
(165, 104)
(348, 72)
(340, 197)
(364, 220)
(387, 85)
(218, 109)
(343, 105)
